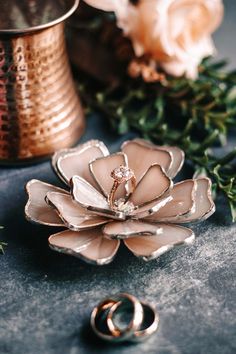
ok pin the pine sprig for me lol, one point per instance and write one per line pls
(194, 115)
(2, 244)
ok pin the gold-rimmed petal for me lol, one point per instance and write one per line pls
(88, 197)
(181, 205)
(149, 209)
(70, 162)
(89, 245)
(151, 247)
(141, 156)
(204, 205)
(36, 209)
(73, 215)
(177, 156)
(72, 242)
(101, 169)
(101, 251)
(152, 186)
(130, 228)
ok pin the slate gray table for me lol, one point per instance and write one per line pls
(46, 298)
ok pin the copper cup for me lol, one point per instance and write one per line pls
(40, 111)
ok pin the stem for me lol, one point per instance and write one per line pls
(226, 159)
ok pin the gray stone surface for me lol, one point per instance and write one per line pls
(46, 298)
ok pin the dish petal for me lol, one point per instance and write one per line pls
(204, 205)
(72, 242)
(141, 156)
(177, 156)
(73, 215)
(101, 251)
(88, 197)
(89, 245)
(153, 185)
(149, 209)
(130, 228)
(182, 203)
(70, 162)
(101, 169)
(151, 247)
(36, 209)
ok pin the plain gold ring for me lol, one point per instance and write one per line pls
(147, 328)
(105, 306)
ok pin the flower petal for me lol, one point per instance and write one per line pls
(105, 5)
(150, 208)
(101, 169)
(73, 215)
(130, 228)
(88, 197)
(204, 205)
(36, 209)
(177, 159)
(90, 245)
(101, 251)
(177, 156)
(150, 247)
(141, 156)
(72, 242)
(182, 203)
(153, 185)
(70, 162)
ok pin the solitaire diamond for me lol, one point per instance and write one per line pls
(122, 174)
(125, 207)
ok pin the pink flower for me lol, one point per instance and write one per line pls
(144, 218)
(174, 33)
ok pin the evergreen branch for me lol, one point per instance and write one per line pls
(2, 244)
(194, 115)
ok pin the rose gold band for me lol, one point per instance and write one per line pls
(116, 184)
(143, 322)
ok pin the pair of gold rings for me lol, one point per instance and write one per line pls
(123, 317)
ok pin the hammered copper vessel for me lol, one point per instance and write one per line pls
(40, 111)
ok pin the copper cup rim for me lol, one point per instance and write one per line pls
(26, 30)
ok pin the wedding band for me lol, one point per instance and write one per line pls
(143, 323)
(148, 327)
(117, 334)
(98, 313)
(121, 174)
(126, 300)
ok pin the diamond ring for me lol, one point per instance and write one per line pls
(121, 174)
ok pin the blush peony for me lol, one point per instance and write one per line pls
(175, 33)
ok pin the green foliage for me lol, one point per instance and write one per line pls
(194, 115)
(2, 244)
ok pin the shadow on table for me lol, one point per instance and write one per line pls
(97, 345)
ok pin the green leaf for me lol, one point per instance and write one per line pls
(200, 172)
(2, 245)
(123, 126)
(232, 205)
(194, 115)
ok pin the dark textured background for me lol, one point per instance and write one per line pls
(46, 298)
